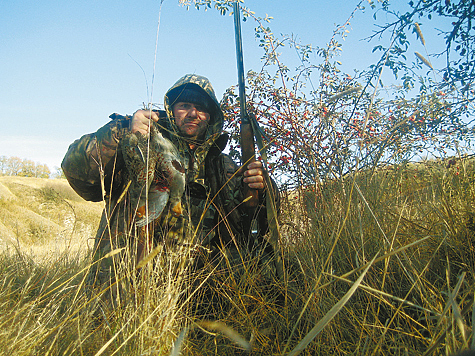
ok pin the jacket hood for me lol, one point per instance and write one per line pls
(202, 84)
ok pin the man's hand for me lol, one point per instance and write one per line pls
(254, 176)
(141, 121)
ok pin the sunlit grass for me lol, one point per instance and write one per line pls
(412, 227)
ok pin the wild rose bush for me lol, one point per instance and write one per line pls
(318, 121)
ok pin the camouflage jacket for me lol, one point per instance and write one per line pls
(214, 215)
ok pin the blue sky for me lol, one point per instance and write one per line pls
(67, 65)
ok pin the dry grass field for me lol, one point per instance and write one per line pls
(42, 216)
(378, 263)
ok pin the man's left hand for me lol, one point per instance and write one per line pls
(254, 175)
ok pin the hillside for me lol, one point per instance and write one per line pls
(45, 216)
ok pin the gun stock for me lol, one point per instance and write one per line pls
(248, 156)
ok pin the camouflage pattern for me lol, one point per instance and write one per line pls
(213, 217)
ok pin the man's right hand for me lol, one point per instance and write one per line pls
(141, 121)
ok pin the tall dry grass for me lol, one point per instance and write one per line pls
(380, 262)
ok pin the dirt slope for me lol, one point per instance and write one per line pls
(43, 216)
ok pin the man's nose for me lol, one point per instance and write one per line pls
(193, 112)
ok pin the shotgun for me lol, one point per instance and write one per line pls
(247, 135)
(249, 127)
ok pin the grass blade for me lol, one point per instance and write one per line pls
(424, 60)
(177, 345)
(330, 315)
(226, 330)
(217, 326)
(419, 33)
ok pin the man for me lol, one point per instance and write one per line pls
(214, 219)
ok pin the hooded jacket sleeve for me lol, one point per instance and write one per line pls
(93, 165)
(234, 205)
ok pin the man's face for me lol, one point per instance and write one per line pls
(190, 119)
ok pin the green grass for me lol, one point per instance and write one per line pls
(416, 221)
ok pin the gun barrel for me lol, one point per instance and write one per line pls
(240, 62)
(247, 135)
